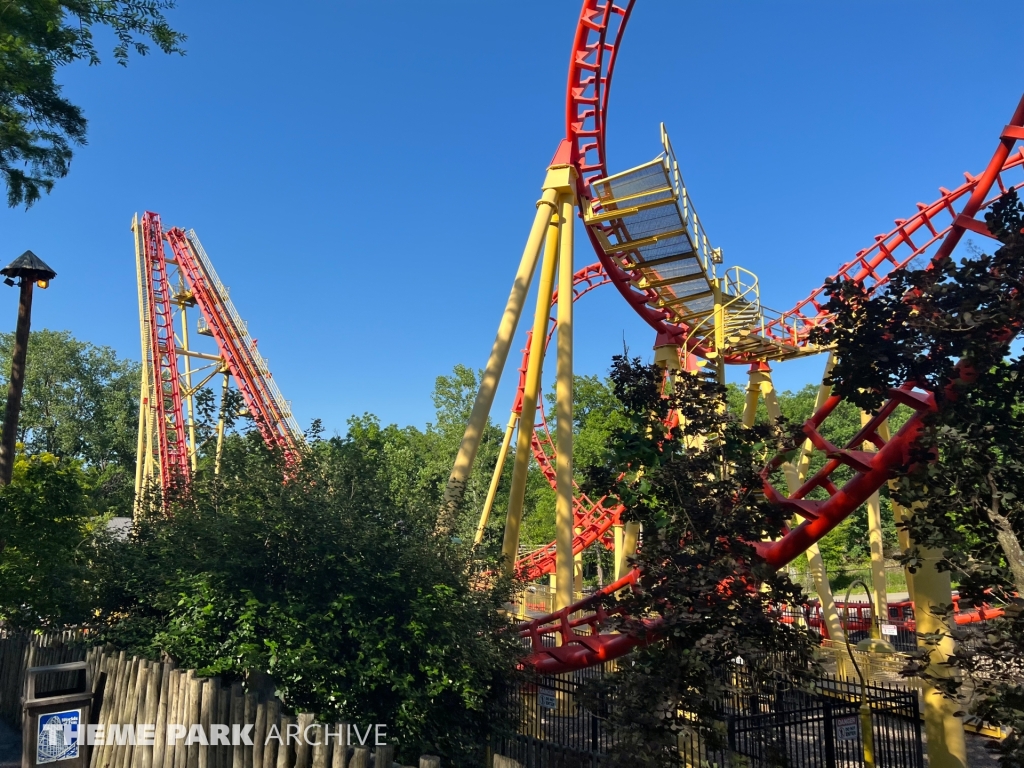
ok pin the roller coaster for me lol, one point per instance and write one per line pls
(174, 371)
(651, 245)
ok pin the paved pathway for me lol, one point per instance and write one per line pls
(10, 746)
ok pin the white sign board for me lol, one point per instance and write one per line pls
(847, 728)
(889, 629)
(546, 698)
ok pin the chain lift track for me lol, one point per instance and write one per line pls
(165, 450)
(262, 397)
(576, 636)
(162, 407)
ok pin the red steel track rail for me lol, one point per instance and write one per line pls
(259, 400)
(580, 629)
(165, 386)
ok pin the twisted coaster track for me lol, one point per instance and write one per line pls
(576, 636)
(167, 448)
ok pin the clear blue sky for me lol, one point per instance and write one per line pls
(363, 174)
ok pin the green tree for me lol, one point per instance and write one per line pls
(44, 525)
(38, 125)
(695, 490)
(330, 581)
(80, 401)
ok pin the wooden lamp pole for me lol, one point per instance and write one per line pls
(30, 271)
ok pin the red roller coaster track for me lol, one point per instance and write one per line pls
(237, 350)
(580, 629)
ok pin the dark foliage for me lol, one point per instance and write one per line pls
(695, 489)
(951, 329)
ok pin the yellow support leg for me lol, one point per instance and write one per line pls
(496, 362)
(577, 573)
(534, 368)
(719, 315)
(220, 424)
(189, 395)
(753, 394)
(947, 745)
(492, 490)
(140, 459)
(900, 514)
(563, 409)
(618, 539)
(879, 588)
(144, 445)
(630, 534)
(795, 476)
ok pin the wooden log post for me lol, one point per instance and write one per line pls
(148, 717)
(249, 703)
(192, 715)
(207, 716)
(384, 756)
(260, 733)
(273, 710)
(339, 758)
(321, 752)
(286, 749)
(303, 753)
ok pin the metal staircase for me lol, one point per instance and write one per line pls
(644, 218)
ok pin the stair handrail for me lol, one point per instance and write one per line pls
(708, 255)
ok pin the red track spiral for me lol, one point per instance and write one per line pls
(939, 226)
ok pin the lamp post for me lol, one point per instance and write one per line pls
(30, 271)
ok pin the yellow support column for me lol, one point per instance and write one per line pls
(947, 746)
(492, 491)
(753, 394)
(631, 532)
(140, 447)
(564, 410)
(795, 476)
(534, 368)
(617, 534)
(220, 424)
(499, 354)
(144, 440)
(577, 573)
(900, 514)
(876, 542)
(189, 394)
(719, 315)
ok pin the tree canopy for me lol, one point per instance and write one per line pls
(326, 578)
(38, 125)
(694, 489)
(952, 329)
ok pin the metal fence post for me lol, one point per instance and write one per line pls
(830, 735)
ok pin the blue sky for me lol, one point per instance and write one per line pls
(363, 174)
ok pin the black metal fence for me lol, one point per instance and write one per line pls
(764, 727)
(822, 728)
